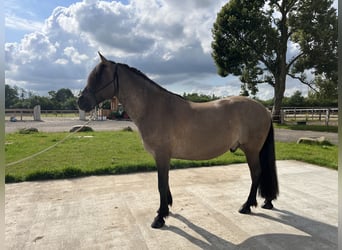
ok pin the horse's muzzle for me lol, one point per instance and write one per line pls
(86, 103)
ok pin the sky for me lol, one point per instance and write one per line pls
(52, 44)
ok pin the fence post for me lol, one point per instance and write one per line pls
(82, 115)
(282, 116)
(36, 113)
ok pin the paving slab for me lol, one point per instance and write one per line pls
(115, 212)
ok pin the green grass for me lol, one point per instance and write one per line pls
(322, 155)
(96, 153)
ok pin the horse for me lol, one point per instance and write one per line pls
(172, 127)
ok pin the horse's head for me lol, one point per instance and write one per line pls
(102, 85)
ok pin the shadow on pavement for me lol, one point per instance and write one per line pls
(320, 235)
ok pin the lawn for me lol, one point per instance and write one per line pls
(95, 153)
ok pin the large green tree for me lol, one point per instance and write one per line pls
(251, 39)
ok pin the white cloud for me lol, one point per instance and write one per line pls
(61, 61)
(168, 40)
(74, 55)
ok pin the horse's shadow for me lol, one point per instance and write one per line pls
(320, 235)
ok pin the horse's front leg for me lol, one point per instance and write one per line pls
(163, 166)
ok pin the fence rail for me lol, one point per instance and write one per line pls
(325, 115)
(289, 114)
(19, 112)
(22, 114)
(59, 112)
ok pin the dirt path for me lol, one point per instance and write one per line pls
(286, 135)
(65, 124)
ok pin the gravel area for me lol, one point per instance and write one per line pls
(65, 124)
(60, 124)
(287, 135)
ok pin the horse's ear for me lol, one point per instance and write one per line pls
(103, 59)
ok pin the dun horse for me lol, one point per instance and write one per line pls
(172, 127)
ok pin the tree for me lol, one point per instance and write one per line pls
(194, 97)
(296, 100)
(251, 39)
(19, 98)
(63, 99)
(11, 96)
(327, 89)
(63, 94)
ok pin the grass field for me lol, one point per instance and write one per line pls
(96, 153)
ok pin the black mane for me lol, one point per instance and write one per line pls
(138, 72)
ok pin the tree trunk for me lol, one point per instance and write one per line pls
(279, 90)
(281, 69)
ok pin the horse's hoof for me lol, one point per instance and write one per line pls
(158, 222)
(245, 210)
(268, 205)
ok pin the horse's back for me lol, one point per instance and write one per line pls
(238, 110)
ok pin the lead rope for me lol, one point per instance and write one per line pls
(91, 118)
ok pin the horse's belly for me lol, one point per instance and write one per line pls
(199, 150)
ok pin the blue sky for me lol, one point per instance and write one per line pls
(27, 11)
(53, 44)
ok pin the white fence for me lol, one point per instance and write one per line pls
(36, 113)
(299, 115)
(302, 115)
(19, 114)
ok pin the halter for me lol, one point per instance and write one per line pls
(115, 82)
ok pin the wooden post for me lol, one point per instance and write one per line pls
(327, 116)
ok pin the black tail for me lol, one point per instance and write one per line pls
(268, 188)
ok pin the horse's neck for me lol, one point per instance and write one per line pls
(136, 93)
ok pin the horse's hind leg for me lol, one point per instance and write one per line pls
(255, 171)
(268, 204)
(169, 196)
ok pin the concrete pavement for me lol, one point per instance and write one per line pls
(115, 212)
